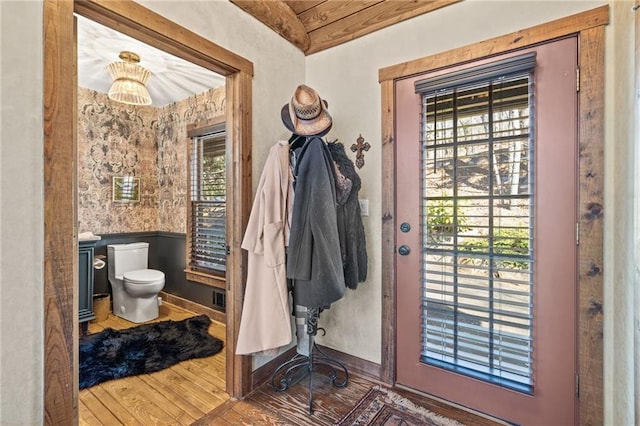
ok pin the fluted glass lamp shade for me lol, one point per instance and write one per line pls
(129, 80)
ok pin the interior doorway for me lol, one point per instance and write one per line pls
(150, 143)
(61, 295)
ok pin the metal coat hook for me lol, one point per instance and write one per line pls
(358, 147)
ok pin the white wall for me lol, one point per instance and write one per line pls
(619, 270)
(21, 214)
(635, 261)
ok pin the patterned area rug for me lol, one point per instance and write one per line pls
(383, 407)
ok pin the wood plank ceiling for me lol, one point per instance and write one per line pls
(316, 25)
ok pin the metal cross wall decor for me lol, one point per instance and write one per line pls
(358, 147)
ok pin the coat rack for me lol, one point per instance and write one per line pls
(301, 366)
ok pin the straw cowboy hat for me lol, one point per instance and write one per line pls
(306, 114)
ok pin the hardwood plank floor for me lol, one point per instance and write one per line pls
(192, 393)
(264, 406)
(179, 395)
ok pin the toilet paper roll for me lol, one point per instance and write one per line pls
(98, 263)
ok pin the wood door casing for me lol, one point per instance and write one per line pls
(554, 324)
(61, 324)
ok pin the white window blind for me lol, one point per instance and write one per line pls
(208, 250)
(477, 153)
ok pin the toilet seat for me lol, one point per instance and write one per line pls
(144, 276)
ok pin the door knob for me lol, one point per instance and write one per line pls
(404, 250)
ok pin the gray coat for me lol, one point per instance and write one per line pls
(314, 261)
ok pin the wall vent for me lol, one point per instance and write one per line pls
(219, 300)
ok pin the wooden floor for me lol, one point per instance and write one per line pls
(179, 395)
(192, 392)
(264, 406)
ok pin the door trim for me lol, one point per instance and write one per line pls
(589, 26)
(60, 204)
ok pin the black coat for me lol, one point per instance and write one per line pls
(313, 258)
(350, 229)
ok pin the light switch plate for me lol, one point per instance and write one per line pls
(364, 207)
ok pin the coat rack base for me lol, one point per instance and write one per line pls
(300, 366)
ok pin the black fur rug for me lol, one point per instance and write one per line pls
(113, 354)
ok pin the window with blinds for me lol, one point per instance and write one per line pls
(477, 227)
(208, 250)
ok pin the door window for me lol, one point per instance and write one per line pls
(477, 232)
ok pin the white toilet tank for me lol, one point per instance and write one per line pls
(127, 257)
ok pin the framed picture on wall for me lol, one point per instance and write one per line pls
(126, 189)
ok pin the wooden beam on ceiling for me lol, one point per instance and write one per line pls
(331, 11)
(279, 17)
(299, 6)
(371, 19)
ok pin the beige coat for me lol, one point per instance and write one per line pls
(266, 315)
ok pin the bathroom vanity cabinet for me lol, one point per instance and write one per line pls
(85, 281)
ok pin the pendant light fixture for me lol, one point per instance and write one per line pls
(129, 80)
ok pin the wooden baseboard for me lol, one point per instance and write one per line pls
(355, 366)
(358, 366)
(195, 307)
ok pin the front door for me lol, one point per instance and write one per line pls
(486, 234)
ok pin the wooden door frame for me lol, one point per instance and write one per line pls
(589, 27)
(60, 200)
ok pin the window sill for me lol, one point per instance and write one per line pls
(206, 278)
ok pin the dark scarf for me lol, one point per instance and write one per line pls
(353, 244)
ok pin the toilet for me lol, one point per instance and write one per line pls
(135, 288)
